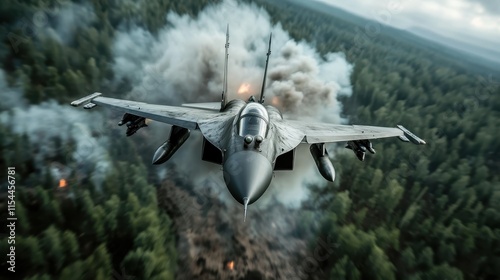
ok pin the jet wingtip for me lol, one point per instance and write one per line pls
(85, 99)
(409, 136)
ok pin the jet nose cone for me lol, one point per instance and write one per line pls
(247, 175)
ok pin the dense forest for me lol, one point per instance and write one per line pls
(404, 213)
(419, 214)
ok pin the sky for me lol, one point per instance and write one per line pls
(474, 22)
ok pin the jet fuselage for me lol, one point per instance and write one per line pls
(250, 154)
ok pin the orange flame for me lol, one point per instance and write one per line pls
(230, 265)
(244, 88)
(275, 101)
(62, 183)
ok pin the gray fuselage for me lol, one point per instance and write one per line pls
(251, 152)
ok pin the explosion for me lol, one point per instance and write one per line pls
(244, 88)
(62, 183)
(275, 101)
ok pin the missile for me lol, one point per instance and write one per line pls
(403, 138)
(358, 151)
(361, 145)
(178, 135)
(128, 118)
(359, 148)
(410, 136)
(322, 161)
(368, 145)
(85, 99)
(89, 106)
(135, 125)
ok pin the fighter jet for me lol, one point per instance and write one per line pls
(249, 138)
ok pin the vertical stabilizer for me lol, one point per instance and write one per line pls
(261, 100)
(224, 86)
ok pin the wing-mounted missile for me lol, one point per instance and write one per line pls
(136, 125)
(128, 119)
(133, 122)
(366, 145)
(85, 100)
(178, 135)
(408, 136)
(359, 147)
(89, 106)
(403, 138)
(325, 167)
(358, 151)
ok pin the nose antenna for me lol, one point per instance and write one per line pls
(245, 203)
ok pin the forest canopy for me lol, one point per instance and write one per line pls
(406, 213)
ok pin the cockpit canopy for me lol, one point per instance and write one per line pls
(253, 120)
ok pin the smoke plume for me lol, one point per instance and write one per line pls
(10, 96)
(48, 123)
(65, 20)
(184, 63)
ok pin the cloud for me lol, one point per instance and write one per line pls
(469, 21)
(490, 6)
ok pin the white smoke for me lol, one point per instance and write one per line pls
(184, 63)
(10, 96)
(66, 20)
(49, 122)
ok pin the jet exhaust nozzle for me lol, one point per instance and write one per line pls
(178, 135)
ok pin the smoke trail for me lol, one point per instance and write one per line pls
(184, 63)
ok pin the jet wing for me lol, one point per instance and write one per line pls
(213, 106)
(327, 133)
(179, 116)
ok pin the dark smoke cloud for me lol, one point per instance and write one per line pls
(184, 63)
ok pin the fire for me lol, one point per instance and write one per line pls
(230, 265)
(62, 183)
(244, 88)
(275, 101)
